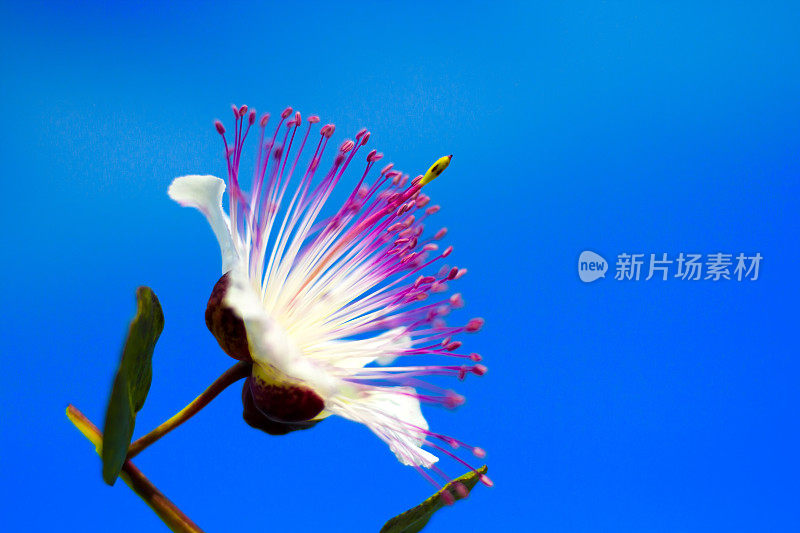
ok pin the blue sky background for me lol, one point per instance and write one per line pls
(639, 406)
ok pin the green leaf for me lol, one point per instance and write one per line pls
(416, 518)
(131, 383)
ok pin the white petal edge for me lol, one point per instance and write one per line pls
(394, 415)
(204, 193)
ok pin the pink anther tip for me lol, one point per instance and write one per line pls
(264, 120)
(286, 112)
(486, 481)
(480, 453)
(456, 300)
(327, 130)
(313, 119)
(474, 325)
(220, 127)
(453, 400)
(242, 111)
(346, 146)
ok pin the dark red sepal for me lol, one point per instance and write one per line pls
(256, 419)
(224, 324)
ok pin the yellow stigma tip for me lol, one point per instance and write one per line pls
(436, 169)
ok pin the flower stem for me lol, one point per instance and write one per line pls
(167, 511)
(238, 371)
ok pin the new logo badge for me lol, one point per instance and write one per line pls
(591, 266)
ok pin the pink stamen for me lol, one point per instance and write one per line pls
(479, 370)
(474, 325)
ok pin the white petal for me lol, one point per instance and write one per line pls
(205, 194)
(394, 415)
(269, 343)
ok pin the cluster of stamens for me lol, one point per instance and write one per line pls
(356, 273)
